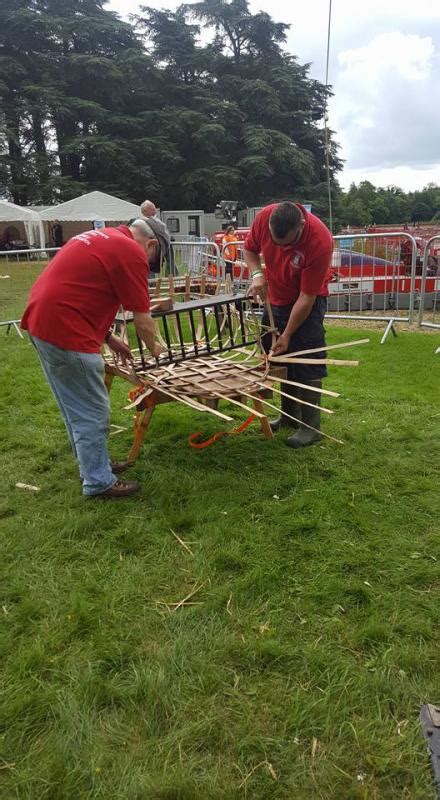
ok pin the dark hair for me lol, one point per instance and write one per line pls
(284, 219)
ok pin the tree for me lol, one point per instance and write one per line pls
(89, 101)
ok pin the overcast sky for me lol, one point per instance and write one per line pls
(385, 72)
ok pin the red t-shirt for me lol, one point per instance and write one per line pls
(75, 300)
(300, 267)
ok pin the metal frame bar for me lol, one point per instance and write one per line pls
(421, 323)
(6, 253)
(374, 237)
(199, 247)
(215, 303)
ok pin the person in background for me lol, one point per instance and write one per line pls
(297, 250)
(230, 249)
(57, 234)
(161, 232)
(71, 308)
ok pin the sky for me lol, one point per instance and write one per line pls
(385, 73)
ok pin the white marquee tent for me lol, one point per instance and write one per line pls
(33, 226)
(90, 207)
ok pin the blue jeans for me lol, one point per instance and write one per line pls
(77, 382)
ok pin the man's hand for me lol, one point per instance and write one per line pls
(156, 350)
(259, 289)
(151, 249)
(120, 348)
(281, 345)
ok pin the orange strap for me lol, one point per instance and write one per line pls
(201, 445)
(133, 395)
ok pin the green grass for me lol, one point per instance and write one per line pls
(16, 280)
(316, 638)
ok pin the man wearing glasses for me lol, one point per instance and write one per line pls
(297, 249)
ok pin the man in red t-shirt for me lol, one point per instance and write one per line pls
(70, 310)
(296, 248)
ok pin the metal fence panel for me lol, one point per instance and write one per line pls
(19, 270)
(429, 298)
(197, 256)
(375, 273)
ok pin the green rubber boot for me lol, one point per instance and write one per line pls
(289, 406)
(305, 437)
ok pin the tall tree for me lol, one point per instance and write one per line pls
(89, 101)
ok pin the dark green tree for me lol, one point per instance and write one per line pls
(89, 101)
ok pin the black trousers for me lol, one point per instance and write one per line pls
(310, 334)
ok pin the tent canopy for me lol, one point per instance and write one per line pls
(91, 206)
(33, 225)
(9, 212)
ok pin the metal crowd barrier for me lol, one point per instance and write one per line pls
(239, 270)
(19, 270)
(384, 293)
(429, 298)
(196, 257)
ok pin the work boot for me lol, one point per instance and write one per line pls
(116, 467)
(289, 406)
(118, 490)
(120, 466)
(305, 437)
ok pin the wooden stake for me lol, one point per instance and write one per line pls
(266, 403)
(265, 426)
(254, 371)
(140, 434)
(298, 400)
(330, 347)
(287, 359)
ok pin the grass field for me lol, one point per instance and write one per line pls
(300, 672)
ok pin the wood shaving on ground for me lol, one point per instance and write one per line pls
(181, 542)
(118, 429)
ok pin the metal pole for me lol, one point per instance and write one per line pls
(326, 136)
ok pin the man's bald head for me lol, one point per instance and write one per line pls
(148, 209)
(143, 234)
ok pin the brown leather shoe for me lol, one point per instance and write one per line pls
(120, 466)
(116, 467)
(119, 489)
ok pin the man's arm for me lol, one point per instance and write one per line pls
(147, 331)
(252, 259)
(259, 282)
(300, 312)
